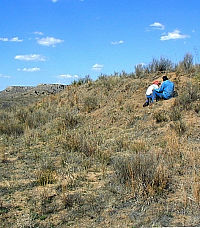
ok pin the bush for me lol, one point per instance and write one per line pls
(191, 94)
(175, 113)
(80, 143)
(90, 104)
(46, 174)
(142, 173)
(11, 128)
(160, 65)
(197, 108)
(179, 127)
(160, 116)
(81, 81)
(70, 120)
(33, 118)
(187, 63)
(105, 81)
(139, 70)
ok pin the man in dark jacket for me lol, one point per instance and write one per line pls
(166, 90)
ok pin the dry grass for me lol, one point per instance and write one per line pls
(92, 156)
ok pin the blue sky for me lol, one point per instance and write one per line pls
(59, 41)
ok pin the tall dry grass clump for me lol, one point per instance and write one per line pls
(143, 174)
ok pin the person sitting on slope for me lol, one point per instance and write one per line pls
(149, 92)
(166, 91)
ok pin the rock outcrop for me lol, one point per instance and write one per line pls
(40, 89)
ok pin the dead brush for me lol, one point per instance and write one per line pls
(70, 120)
(160, 116)
(173, 144)
(179, 127)
(90, 104)
(143, 174)
(175, 113)
(46, 202)
(189, 96)
(196, 187)
(65, 195)
(78, 142)
(68, 199)
(173, 156)
(46, 175)
(4, 154)
(138, 146)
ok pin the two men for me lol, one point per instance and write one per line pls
(166, 91)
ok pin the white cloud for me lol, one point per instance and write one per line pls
(33, 69)
(117, 42)
(4, 39)
(157, 25)
(14, 39)
(49, 41)
(68, 76)
(97, 67)
(4, 76)
(174, 35)
(39, 33)
(31, 57)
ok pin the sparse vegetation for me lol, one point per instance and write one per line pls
(142, 174)
(160, 65)
(187, 64)
(160, 116)
(92, 156)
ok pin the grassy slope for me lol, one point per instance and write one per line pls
(92, 156)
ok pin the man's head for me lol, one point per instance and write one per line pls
(156, 82)
(165, 78)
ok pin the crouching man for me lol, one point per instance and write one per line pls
(166, 91)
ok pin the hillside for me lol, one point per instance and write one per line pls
(24, 95)
(92, 156)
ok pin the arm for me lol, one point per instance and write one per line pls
(160, 90)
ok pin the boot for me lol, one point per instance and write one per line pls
(146, 104)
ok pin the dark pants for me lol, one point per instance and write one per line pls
(148, 101)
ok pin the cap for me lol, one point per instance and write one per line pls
(156, 82)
